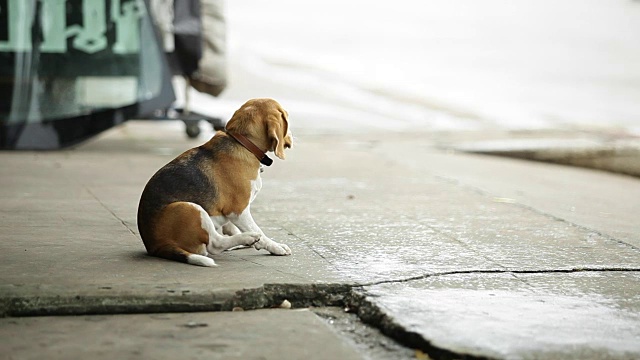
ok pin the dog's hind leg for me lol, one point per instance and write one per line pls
(219, 242)
(179, 235)
(230, 229)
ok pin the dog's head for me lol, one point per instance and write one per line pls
(265, 122)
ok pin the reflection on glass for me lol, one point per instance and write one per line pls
(66, 58)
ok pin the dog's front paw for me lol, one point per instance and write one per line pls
(287, 250)
(277, 248)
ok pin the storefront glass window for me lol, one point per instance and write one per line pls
(65, 59)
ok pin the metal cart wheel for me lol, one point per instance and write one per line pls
(192, 128)
(191, 120)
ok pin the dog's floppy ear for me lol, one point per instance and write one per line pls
(277, 127)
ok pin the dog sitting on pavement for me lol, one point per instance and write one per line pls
(198, 205)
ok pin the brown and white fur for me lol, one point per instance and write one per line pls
(198, 205)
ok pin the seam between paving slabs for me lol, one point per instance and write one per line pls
(352, 297)
(368, 312)
(505, 271)
(124, 223)
(101, 299)
(309, 245)
(486, 193)
(26, 300)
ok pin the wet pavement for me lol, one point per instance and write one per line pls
(585, 315)
(450, 253)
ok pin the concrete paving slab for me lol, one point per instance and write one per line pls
(520, 316)
(263, 334)
(424, 215)
(596, 200)
(55, 279)
(358, 210)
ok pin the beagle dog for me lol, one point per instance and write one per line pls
(199, 204)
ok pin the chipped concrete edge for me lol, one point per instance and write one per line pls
(359, 302)
(52, 300)
(41, 300)
(46, 300)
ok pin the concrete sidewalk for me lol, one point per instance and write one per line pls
(457, 255)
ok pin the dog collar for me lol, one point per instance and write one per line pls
(259, 154)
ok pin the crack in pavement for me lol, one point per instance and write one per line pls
(370, 312)
(304, 292)
(502, 271)
(351, 297)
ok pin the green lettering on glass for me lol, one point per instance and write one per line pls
(20, 15)
(90, 37)
(127, 20)
(53, 26)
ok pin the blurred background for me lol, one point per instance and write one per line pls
(338, 66)
(452, 65)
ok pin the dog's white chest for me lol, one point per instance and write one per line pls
(256, 185)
